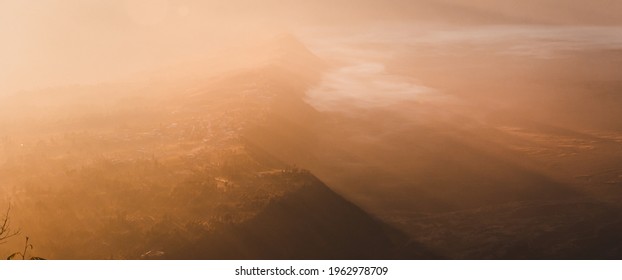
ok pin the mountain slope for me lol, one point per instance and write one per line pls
(309, 222)
(167, 171)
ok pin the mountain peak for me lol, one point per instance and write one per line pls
(288, 40)
(288, 52)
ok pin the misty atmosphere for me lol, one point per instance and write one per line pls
(453, 129)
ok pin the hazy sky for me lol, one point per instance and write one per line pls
(54, 42)
(49, 42)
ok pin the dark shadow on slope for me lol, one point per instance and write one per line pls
(312, 222)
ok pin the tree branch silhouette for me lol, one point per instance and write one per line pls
(5, 229)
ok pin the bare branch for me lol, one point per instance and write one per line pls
(5, 227)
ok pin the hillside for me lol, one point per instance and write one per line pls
(383, 148)
(166, 171)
